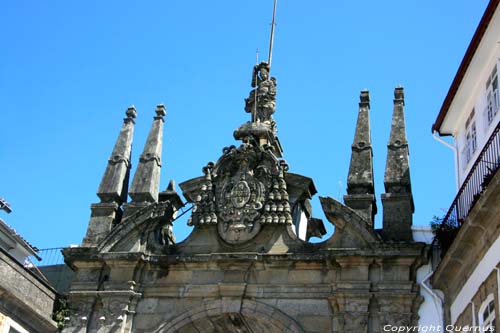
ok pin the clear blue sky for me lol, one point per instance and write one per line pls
(69, 70)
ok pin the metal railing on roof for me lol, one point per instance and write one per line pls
(484, 168)
(53, 256)
(50, 256)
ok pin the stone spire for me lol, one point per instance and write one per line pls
(398, 200)
(360, 189)
(146, 183)
(114, 185)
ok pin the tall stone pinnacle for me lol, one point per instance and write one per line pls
(398, 199)
(397, 169)
(146, 183)
(360, 187)
(114, 185)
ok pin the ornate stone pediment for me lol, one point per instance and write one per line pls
(149, 228)
(243, 191)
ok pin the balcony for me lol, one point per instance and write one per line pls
(481, 173)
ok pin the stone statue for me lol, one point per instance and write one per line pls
(262, 100)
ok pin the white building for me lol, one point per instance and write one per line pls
(470, 110)
(469, 272)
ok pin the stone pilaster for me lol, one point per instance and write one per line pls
(398, 310)
(114, 185)
(397, 200)
(117, 310)
(360, 189)
(146, 183)
(80, 313)
(350, 312)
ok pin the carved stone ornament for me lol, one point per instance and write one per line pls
(240, 198)
(160, 230)
(355, 321)
(80, 311)
(262, 100)
(245, 189)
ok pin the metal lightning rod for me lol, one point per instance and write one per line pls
(270, 57)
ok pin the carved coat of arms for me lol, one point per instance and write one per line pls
(244, 177)
(240, 200)
(243, 191)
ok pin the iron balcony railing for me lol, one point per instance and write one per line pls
(484, 168)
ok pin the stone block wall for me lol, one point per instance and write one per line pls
(247, 292)
(24, 297)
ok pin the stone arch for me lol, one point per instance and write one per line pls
(246, 315)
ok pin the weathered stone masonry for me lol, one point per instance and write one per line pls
(244, 268)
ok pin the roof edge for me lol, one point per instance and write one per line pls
(20, 240)
(464, 65)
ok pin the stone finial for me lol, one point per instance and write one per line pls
(398, 199)
(131, 112)
(399, 95)
(161, 111)
(364, 98)
(171, 185)
(170, 194)
(360, 185)
(145, 186)
(113, 188)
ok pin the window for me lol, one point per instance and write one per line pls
(470, 146)
(487, 315)
(492, 95)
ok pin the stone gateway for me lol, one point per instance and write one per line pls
(247, 265)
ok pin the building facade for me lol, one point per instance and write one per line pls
(469, 272)
(26, 298)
